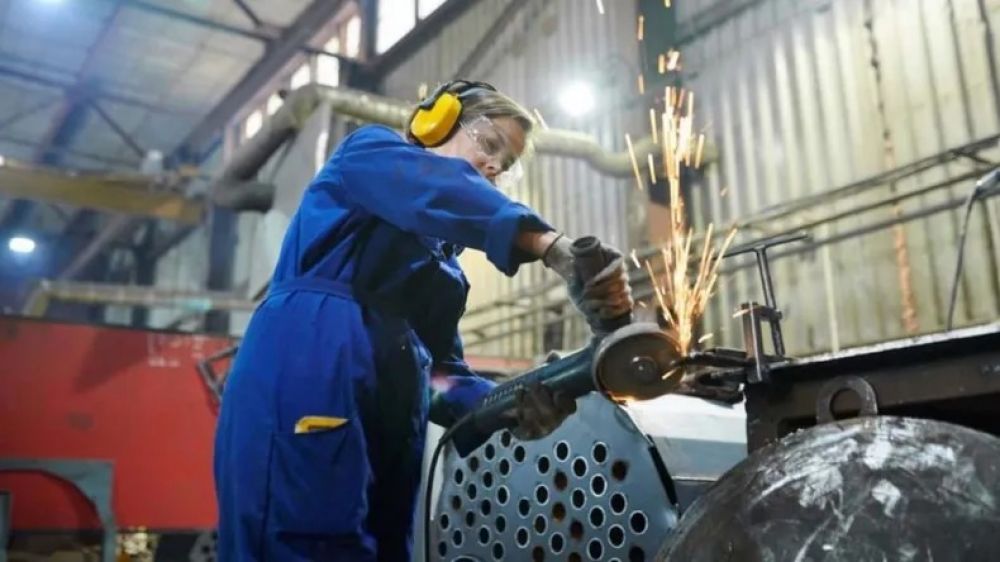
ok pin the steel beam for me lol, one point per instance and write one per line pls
(95, 91)
(424, 32)
(132, 295)
(103, 159)
(122, 133)
(261, 34)
(278, 54)
(116, 194)
(249, 13)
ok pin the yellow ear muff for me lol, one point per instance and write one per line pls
(432, 126)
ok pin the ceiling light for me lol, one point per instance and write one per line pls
(577, 99)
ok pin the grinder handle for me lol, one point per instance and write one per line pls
(588, 261)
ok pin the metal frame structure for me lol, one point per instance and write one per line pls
(525, 323)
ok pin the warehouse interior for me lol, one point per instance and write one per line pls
(798, 191)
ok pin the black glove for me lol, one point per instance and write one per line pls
(605, 297)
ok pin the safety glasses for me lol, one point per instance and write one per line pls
(494, 146)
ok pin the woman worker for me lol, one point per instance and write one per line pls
(321, 433)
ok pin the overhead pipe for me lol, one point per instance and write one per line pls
(132, 295)
(235, 189)
(374, 108)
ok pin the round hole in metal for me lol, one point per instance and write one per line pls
(575, 557)
(524, 507)
(471, 491)
(580, 467)
(538, 554)
(616, 536)
(505, 438)
(618, 503)
(559, 511)
(595, 549)
(540, 524)
(459, 476)
(519, 453)
(488, 479)
(456, 503)
(599, 453)
(498, 550)
(561, 481)
(485, 507)
(619, 470)
(596, 516)
(504, 467)
(484, 535)
(522, 537)
(557, 543)
(457, 537)
(503, 495)
(543, 464)
(442, 548)
(489, 451)
(470, 518)
(473, 463)
(562, 451)
(542, 494)
(444, 521)
(501, 523)
(579, 498)
(636, 554)
(598, 485)
(637, 521)
(576, 530)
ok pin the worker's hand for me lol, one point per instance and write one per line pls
(607, 296)
(600, 299)
(540, 411)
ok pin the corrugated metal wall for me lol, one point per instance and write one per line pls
(545, 45)
(803, 96)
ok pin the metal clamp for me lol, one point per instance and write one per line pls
(827, 392)
(213, 381)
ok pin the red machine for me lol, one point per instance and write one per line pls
(133, 403)
(76, 392)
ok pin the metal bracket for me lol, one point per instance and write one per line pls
(93, 478)
(858, 385)
(215, 382)
(753, 313)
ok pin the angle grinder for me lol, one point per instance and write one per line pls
(628, 363)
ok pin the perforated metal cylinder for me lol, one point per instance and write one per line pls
(589, 491)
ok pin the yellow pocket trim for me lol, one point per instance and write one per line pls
(313, 424)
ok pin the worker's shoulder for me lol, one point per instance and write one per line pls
(376, 134)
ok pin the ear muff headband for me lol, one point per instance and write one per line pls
(436, 117)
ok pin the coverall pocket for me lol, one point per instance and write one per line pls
(318, 481)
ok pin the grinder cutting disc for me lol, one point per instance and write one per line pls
(631, 362)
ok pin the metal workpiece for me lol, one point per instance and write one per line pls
(873, 488)
(949, 376)
(591, 490)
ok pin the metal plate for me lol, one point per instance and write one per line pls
(589, 491)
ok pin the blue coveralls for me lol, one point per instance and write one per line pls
(364, 304)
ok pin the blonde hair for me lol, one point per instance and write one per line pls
(480, 102)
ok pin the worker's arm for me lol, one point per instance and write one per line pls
(539, 410)
(420, 192)
(456, 388)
